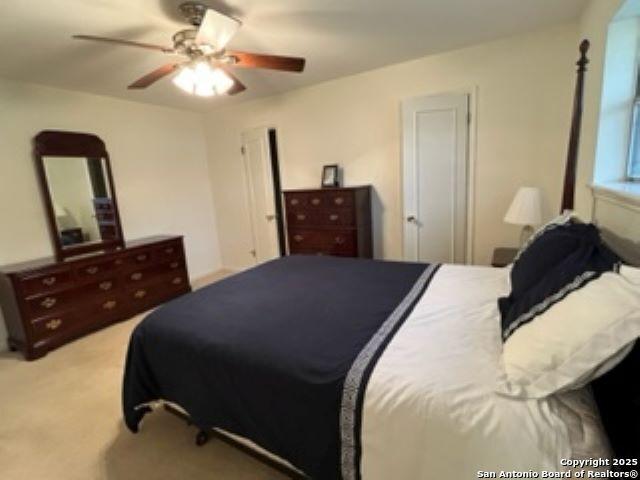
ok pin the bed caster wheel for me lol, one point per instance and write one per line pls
(202, 437)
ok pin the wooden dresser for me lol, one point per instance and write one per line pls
(329, 221)
(47, 303)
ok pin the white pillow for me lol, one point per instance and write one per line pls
(578, 339)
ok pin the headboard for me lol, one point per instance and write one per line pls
(627, 250)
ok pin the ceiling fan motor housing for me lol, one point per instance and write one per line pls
(194, 12)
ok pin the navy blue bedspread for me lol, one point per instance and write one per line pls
(264, 353)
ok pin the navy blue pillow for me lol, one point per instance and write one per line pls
(544, 252)
(563, 260)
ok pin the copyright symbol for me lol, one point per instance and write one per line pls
(633, 474)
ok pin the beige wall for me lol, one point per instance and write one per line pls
(524, 90)
(158, 158)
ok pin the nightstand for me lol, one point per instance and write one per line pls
(503, 256)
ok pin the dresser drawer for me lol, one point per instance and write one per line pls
(46, 282)
(50, 303)
(96, 269)
(101, 308)
(62, 300)
(161, 287)
(169, 251)
(143, 274)
(140, 258)
(142, 295)
(52, 325)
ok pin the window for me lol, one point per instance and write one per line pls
(633, 167)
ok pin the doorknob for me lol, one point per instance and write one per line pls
(411, 219)
(270, 217)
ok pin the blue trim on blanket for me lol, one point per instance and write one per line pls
(355, 384)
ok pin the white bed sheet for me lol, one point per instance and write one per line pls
(430, 411)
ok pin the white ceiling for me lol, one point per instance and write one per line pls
(338, 38)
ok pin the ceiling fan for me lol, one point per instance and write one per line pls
(207, 71)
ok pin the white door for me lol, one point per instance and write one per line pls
(260, 194)
(435, 141)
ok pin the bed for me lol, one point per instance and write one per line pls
(359, 369)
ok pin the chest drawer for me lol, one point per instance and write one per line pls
(344, 217)
(295, 200)
(46, 282)
(339, 199)
(329, 242)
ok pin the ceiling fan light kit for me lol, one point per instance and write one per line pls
(203, 80)
(207, 71)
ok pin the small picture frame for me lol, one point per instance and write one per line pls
(330, 176)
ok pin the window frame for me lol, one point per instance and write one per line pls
(633, 156)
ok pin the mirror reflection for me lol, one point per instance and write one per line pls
(81, 199)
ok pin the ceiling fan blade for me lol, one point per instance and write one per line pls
(273, 62)
(238, 86)
(216, 29)
(127, 43)
(154, 76)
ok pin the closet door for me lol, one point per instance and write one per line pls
(435, 141)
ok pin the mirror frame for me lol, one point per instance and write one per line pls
(53, 143)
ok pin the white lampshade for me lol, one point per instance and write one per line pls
(526, 208)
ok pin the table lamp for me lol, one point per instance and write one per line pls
(525, 210)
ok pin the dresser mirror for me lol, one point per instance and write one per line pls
(78, 192)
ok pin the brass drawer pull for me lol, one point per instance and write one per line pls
(315, 201)
(177, 281)
(49, 281)
(333, 217)
(340, 240)
(106, 285)
(141, 258)
(298, 238)
(140, 294)
(301, 216)
(168, 251)
(174, 264)
(109, 305)
(338, 200)
(119, 261)
(91, 270)
(49, 302)
(295, 201)
(53, 324)
(136, 276)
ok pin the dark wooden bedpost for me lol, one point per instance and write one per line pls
(574, 140)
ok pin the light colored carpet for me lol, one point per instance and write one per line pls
(60, 418)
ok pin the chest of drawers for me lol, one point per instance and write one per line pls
(47, 303)
(329, 221)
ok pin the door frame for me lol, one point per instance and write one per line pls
(472, 95)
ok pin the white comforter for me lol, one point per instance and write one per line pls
(430, 411)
